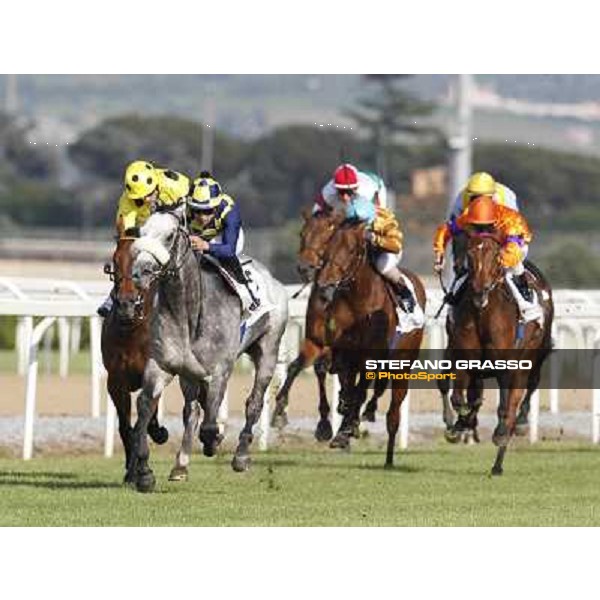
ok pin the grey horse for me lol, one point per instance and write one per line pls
(197, 333)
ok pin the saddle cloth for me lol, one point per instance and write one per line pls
(408, 322)
(255, 282)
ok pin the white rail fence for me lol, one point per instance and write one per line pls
(66, 305)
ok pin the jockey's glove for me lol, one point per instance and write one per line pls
(438, 265)
(511, 255)
(132, 232)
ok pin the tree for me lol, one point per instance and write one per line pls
(105, 150)
(391, 116)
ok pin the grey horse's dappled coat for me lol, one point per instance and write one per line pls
(196, 326)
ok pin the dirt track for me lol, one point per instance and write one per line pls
(71, 396)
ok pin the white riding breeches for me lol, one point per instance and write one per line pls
(387, 261)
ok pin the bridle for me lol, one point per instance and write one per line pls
(320, 256)
(169, 269)
(480, 299)
(351, 270)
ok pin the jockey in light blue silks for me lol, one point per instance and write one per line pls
(216, 229)
(362, 196)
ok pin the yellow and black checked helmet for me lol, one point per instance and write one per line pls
(206, 193)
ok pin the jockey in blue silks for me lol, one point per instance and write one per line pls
(216, 228)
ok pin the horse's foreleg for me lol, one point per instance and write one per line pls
(393, 421)
(309, 353)
(191, 416)
(324, 432)
(371, 408)
(346, 408)
(155, 381)
(121, 398)
(507, 417)
(443, 386)
(156, 431)
(210, 435)
(265, 360)
(460, 406)
(522, 424)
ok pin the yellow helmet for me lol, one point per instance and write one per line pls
(206, 194)
(141, 180)
(481, 184)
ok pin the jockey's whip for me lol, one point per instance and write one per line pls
(446, 295)
(295, 295)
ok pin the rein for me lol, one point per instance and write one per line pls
(344, 281)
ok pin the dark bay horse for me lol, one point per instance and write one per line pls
(316, 233)
(125, 343)
(486, 327)
(361, 318)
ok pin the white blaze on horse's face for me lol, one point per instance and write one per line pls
(151, 252)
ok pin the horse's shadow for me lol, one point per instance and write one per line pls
(51, 481)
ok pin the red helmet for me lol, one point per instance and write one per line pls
(346, 177)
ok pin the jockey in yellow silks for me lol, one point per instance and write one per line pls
(147, 187)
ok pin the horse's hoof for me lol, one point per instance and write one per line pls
(324, 431)
(522, 429)
(279, 421)
(209, 449)
(178, 474)
(240, 463)
(497, 470)
(159, 436)
(369, 416)
(452, 436)
(145, 482)
(340, 441)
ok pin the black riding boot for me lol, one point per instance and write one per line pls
(405, 298)
(234, 266)
(523, 287)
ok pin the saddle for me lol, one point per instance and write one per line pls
(528, 290)
(245, 282)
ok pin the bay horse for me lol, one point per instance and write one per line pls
(198, 333)
(361, 318)
(125, 343)
(487, 327)
(316, 233)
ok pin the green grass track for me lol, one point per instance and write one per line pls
(546, 485)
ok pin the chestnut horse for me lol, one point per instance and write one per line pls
(125, 344)
(316, 233)
(487, 327)
(361, 318)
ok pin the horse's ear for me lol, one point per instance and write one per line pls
(306, 213)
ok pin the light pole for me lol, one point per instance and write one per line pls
(460, 138)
